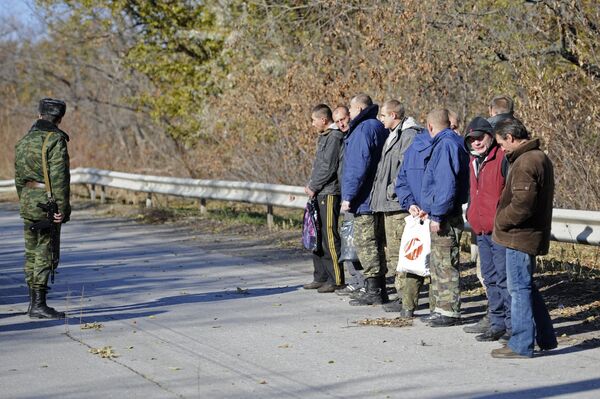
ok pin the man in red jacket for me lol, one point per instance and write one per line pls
(487, 171)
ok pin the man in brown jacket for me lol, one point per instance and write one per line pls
(523, 221)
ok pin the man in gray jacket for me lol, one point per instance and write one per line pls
(383, 196)
(324, 185)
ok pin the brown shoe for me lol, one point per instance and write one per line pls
(506, 353)
(314, 285)
(326, 289)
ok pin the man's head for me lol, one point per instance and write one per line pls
(479, 137)
(52, 110)
(454, 121)
(321, 117)
(359, 103)
(341, 117)
(511, 134)
(392, 114)
(437, 120)
(501, 105)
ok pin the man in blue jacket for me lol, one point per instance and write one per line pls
(363, 147)
(445, 188)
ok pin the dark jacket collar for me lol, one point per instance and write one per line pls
(525, 147)
(367, 113)
(47, 126)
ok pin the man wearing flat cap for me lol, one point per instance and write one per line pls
(42, 176)
(487, 174)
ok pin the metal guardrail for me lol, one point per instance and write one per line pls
(568, 225)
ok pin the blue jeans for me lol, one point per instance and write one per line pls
(493, 268)
(529, 317)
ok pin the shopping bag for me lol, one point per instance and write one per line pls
(347, 250)
(311, 232)
(415, 247)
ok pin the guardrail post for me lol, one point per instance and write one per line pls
(149, 200)
(93, 192)
(270, 217)
(203, 206)
(103, 194)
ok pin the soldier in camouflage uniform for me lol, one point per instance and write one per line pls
(29, 181)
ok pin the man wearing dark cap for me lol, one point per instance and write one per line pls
(42, 176)
(487, 172)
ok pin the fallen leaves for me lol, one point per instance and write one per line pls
(91, 326)
(385, 322)
(104, 352)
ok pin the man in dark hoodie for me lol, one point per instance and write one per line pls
(487, 170)
(363, 146)
(324, 185)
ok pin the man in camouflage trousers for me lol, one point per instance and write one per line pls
(44, 136)
(445, 188)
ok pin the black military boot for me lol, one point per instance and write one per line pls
(372, 295)
(30, 299)
(39, 309)
(383, 285)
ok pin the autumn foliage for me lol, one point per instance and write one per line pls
(223, 89)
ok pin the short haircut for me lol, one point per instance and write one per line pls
(502, 104)
(439, 118)
(511, 126)
(322, 111)
(363, 99)
(342, 108)
(52, 119)
(396, 107)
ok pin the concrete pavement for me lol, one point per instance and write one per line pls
(225, 317)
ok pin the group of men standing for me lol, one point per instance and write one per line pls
(380, 166)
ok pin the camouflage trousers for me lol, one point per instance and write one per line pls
(394, 227)
(411, 287)
(38, 260)
(369, 240)
(445, 267)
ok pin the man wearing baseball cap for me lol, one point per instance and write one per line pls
(487, 173)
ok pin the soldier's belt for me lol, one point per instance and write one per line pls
(35, 184)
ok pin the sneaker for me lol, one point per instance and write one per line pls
(506, 353)
(314, 285)
(490, 335)
(394, 306)
(445, 321)
(430, 317)
(347, 290)
(480, 327)
(358, 293)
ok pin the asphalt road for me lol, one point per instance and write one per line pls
(223, 317)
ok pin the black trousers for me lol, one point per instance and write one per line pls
(326, 260)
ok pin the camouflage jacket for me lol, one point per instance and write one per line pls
(28, 167)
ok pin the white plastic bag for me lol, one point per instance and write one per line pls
(415, 247)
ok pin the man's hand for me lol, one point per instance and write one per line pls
(345, 206)
(434, 227)
(58, 217)
(309, 192)
(414, 210)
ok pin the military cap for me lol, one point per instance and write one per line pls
(52, 107)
